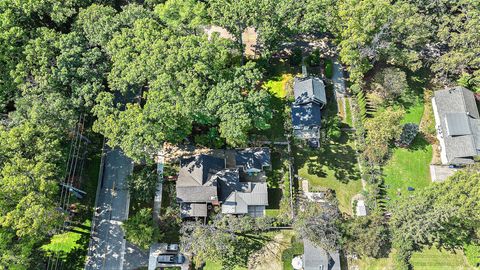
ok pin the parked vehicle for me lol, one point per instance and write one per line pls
(172, 247)
(171, 259)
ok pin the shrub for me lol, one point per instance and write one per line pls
(409, 132)
(333, 128)
(296, 57)
(142, 184)
(210, 139)
(328, 68)
(314, 58)
(140, 229)
(390, 83)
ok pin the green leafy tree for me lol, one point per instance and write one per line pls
(444, 214)
(142, 184)
(224, 239)
(366, 236)
(319, 223)
(390, 83)
(140, 229)
(184, 15)
(382, 130)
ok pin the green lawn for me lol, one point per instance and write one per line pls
(348, 113)
(288, 254)
(413, 113)
(428, 259)
(334, 167)
(276, 85)
(434, 259)
(408, 168)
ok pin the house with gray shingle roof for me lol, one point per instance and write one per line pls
(310, 98)
(458, 125)
(196, 184)
(317, 258)
(239, 197)
(204, 180)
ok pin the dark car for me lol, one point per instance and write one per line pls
(171, 259)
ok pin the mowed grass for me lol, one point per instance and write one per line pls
(427, 259)
(334, 167)
(434, 259)
(276, 85)
(413, 114)
(408, 168)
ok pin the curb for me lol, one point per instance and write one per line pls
(99, 185)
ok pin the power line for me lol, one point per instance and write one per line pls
(67, 182)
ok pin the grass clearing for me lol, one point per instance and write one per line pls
(348, 112)
(434, 259)
(408, 168)
(413, 114)
(289, 253)
(427, 259)
(334, 166)
(277, 85)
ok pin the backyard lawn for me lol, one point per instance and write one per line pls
(334, 167)
(289, 253)
(434, 259)
(408, 168)
(428, 259)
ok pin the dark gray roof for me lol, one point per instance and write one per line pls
(458, 125)
(310, 89)
(197, 194)
(253, 158)
(236, 196)
(193, 210)
(196, 181)
(314, 257)
(239, 201)
(306, 116)
(199, 170)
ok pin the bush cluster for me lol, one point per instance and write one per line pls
(409, 132)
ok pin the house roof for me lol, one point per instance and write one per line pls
(253, 158)
(236, 196)
(239, 201)
(197, 194)
(310, 89)
(196, 182)
(314, 257)
(193, 209)
(199, 170)
(306, 116)
(459, 125)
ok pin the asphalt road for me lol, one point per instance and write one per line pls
(108, 244)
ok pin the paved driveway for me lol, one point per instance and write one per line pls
(107, 247)
(337, 78)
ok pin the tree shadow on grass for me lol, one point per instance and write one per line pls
(337, 156)
(419, 143)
